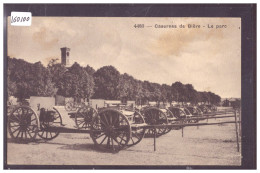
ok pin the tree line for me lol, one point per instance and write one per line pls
(33, 79)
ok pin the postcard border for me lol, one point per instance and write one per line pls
(247, 13)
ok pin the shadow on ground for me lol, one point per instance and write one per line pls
(87, 147)
(24, 141)
(34, 142)
(81, 147)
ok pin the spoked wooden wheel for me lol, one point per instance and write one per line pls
(84, 117)
(110, 130)
(154, 116)
(50, 119)
(137, 130)
(23, 124)
(169, 114)
(68, 106)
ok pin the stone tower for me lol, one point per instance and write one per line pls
(65, 56)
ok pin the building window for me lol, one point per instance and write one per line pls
(68, 54)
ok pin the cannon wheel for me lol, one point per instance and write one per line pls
(110, 130)
(44, 131)
(69, 106)
(170, 115)
(137, 132)
(84, 117)
(23, 124)
(154, 116)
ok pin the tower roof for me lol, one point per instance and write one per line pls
(65, 48)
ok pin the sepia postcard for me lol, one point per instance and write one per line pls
(124, 91)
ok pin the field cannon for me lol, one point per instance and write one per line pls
(25, 125)
(109, 128)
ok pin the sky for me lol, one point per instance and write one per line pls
(208, 58)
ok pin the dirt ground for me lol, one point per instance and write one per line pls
(205, 145)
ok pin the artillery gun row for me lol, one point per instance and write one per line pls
(110, 128)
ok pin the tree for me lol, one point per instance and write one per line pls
(42, 84)
(203, 97)
(77, 83)
(226, 103)
(106, 83)
(217, 99)
(209, 97)
(165, 90)
(213, 98)
(17, 73)
(191, 94)
(26, 79)
(11, 88)
(178, 92)
(155, 92)
(29, 79)
(138, 91)
(146, 90)
(11, 85)
(57, 72)
(126, 87)
(89, 70)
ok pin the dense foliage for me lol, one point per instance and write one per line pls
(27, 79)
